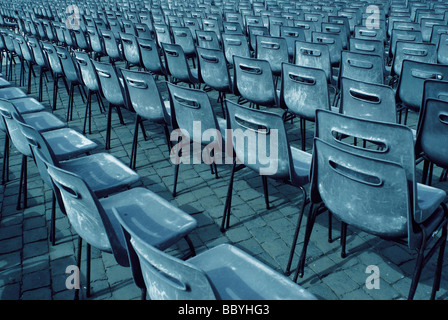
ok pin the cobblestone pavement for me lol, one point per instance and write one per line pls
(31, 268)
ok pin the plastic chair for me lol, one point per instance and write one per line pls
(183, 37)
(337, 28)
(190, 107)
(421, 52)
(274, 50)
(291, 35)
(286, 163)
(177, 65)
(210, 24)
(442, 49)
(254, 31)
(362, 67)
(303, 90)
(41, 61)
(334, 43)
(409, 90)
(112, 90)
(232, 28)
(308, 28)
(140, 85)
(213, 71)
(163, 34)
(65, 142)
(131, 51)
(250, 71)
(375, 47)
(403, 35)
(208, 39)
(235, 44)
(95, 222)
(151, 57)
(143, 31)
(432, 130)
(221, 273)
(314, 55)
(96, 42)
(393, 209)
(110, 40)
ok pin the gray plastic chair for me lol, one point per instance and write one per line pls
(177, 65)
(131, 51)
(138, 86)
(291, 35)
(235, 44)
(95, 222)
(314, 55)
(188, 108)
(362, 67)
(151, 57)
(274, 50)
(287, 164)
(397, 208)
(303, 90)
(442, 49)
(112, 49)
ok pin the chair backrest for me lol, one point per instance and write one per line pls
(212, 25)
(212, 69)
(87, 216)
(131, 52)
(235, 44)
(385, 174)
(437, 31)
(176, 62)
(69, 67)
(291, 35)
(143, 31)
(190, 107)
(163, 34)
(232, 28)
(367, 100)
(308, 27)
(275, 24)
(144, 95)
(274, 50)
(25, 49)
(410, 86)
(337, 28)
(303, 90)
(110, 44)
(442, 49)
(368, 33)
(192, 24)
(109, 82)
(421, 52)
(362, 67)
(403, 35)
(366, 46)
(257, 133)
(183, 37)
(149, 52)
(334, 43)
(207, 39)
(427, 25)
(39, 56)
(314, 55)
(53, 58)
(87, 70)
(81, 40)
(254, 81)
(95, 39)
(255, 31)
(432, 130)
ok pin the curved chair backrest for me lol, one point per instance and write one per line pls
(437, 31)
(114, 27)
(38, 53)
(235, 44)
(291, 35)
(190, 107)
(7, 112)
(432, 131)
(109, 83)
(192, 24)
(337, 28)
(274, 50)
(362, 67)
(131, 52)
(367, 100)
(427, 27)
(81, 40)
(110, 44)
(403, 35)
(53, 58)
(87, 216)
(209, 24)
(143, 31)
(314, 55)
(96, 42)
(413, 76)
(176, 62)
(303, 90)
(254, 31)
(24, 48)
(232, 28)
(163, 34)
(87, 70)
(150, 55)
(369, 33)
(442, 49)
(421, 52)
(254, 81)
(212, 69)
(275, 23)
(69, 67)
(308, 27)
(207, 39)
(128, 26)
(256, 134)
(367, 46)
(183, 37)
(144, 96)
(334, 43)
(168, 277)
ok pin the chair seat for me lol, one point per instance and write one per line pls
(155, 220)
(67, 143)
(235, 275)
(11, 93)
(43, 121)
(302, 165)
(103, 173)
(27, 105)
(428, 200)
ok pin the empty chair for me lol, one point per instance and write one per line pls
(151, 57)
(375, 47)
(207, 39)
(442, 49)
(421, 52)
(254, 32)
(362, 67)
(291, 35)
(41, 61)
(191, 108)
(140, 85)
(143, 31)
(112, 91)
(177, 65)
(235, 44)
(94, 219)
(183, 37)
(253, 80)
(334, 43)
(131, 51)
(337, 28)
(284, 163)
(369, 33)
(403, 35)
(163, 34)
(82, 42)
(274, 50)
(392, 210)
(308, 28)
(96, 42)
(303, 90)
(111, 47)
(213, 71)
(212, 25)
(314, 55)
(192, 24)
(232, 28)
